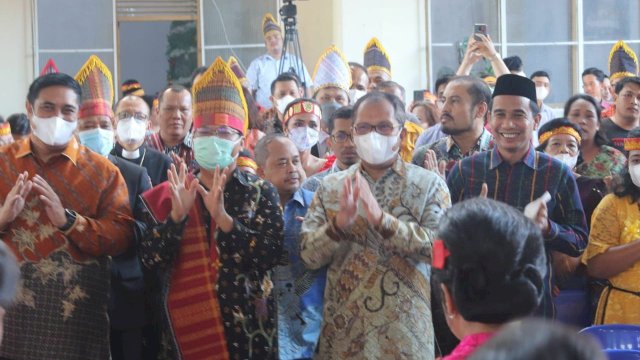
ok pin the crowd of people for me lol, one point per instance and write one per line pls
(266, 215)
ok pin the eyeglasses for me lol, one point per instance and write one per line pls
(138, 116)
(382, 129)
(223, 132)
(341, 137)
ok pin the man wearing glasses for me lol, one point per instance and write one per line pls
(463, 107)
(216, 235)
(132, 118)
(341, 144)
(373, 225)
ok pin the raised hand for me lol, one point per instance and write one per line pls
(15, 200)
(52, 204)
(183, 194)
(431, 163)
(177, 160)
(348, 205)
(371, 207)
(484, 191)
(538, 213)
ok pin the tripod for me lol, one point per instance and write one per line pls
(291, 38)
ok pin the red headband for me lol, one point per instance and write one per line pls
(302, 107)
(440, 255)
(95, 107)
(219, 119)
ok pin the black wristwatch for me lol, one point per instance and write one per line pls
(71, 219)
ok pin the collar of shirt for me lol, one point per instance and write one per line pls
(483, 142)
(70, 152)
(298, 197)
(530, 158)
(398, 167)
(267, 56)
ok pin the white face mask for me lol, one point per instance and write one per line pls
(375, 148)
(569, 160)
(541, 92)
(304, 137)
(53, 131)
(634, 171)
(355, 94)
(131, 130)
(282, 103)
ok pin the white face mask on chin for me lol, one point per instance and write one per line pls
(569, 160)
(634, 171)
(53, 131)
(376, 149)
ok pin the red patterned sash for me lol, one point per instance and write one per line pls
(192, 301)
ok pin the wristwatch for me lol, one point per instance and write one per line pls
(71, 219)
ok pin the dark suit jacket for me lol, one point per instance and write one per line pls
(126, 306)
(154, 161)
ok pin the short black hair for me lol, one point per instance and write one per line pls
(176, 88)
(344, 112)
(390, 84)
(599, 138)
(599, 74)
(540, 73)
(476, 88)
(554, 124)
(398, 105)
(533, 339)
(284, 77)
(198, 71)
(622, 184)
(359, 66)
(496, 262)
(443, 80)
(48, 80)
(261, 150)
(626, 80)
(19, 124)
(513, 63)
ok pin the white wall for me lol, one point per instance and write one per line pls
(350, 24)
(16, 55)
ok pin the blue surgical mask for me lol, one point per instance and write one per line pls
(212, 151)
(98, 140)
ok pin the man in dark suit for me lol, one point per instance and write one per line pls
(132, 120)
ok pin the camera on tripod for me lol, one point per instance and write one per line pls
(288, 13)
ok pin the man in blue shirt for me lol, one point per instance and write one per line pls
(264, 69)
(298, 292)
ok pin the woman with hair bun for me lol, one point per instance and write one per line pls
(489, 263)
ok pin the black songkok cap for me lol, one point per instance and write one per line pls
(511, 84)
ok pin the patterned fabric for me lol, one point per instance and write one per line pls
(608, 161)
(235, 66)
(332, 70)
(246, 254)
(183, 150)
(518, 185)
(623, 62)
(616, 221)
(49, 68)
(97, 88)
(264, 69)
(447, 150)
(468, 346)
(376, 57)
(412, 132)
(302, 107)
(313, 183)
(61, 308)
(218, 99)
(299, 292)
(377, 301)
(270, 24)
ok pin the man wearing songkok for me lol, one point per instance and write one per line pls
(514, 173)
(373, 225)
(216, 236)
(65, 212)
(298, 292)
(264, 69)
(95, 131)
(377, 63)
(174, 137)
(132, 120)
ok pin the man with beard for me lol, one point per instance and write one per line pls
(464, 106)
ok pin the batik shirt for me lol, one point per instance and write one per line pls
(60, 311)
(447, 150)
(377, 302)
(246, 255)
(518, 185)
(314, 181)
(298, 291)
